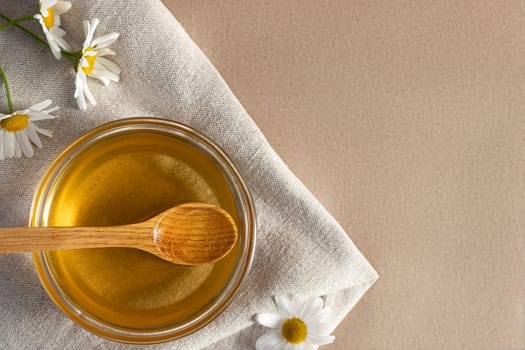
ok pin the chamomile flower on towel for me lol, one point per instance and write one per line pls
(299, 324)
(93, 63)
(49, 18)
(18, 131)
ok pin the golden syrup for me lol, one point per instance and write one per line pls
(124, 179)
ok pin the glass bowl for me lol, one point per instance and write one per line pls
(123, 172)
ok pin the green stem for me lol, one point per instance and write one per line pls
(66, 54)
(27, 31)
(69, 55)
(7, 93)
(15, 21)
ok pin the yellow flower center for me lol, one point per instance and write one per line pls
(49, 20)
(294, 330)
(90, 60)
(15, 122)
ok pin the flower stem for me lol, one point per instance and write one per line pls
(7, 93)
(27, 31)
(15, 21)
(69, 55)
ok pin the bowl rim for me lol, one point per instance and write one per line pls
(244, 204)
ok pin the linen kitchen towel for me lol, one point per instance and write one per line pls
(300, 247)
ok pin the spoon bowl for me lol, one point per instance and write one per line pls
(193, 234)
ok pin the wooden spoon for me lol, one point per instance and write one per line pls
(188, 234)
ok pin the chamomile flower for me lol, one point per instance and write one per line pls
(93, 63)
(299, 325)
(18, 131)
(49, 18)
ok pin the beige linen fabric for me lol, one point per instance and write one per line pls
(300, 247)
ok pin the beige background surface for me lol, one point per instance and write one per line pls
(407, 120)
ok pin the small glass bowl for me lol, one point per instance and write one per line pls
(126, 171)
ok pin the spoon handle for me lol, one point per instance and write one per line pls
(28, 239)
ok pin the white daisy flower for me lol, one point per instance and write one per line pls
(49, 18)
(17, 130)
(94, 64)
(299, 325)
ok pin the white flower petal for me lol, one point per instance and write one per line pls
(33, 136)
(62, 44)
(4, 145)
(85, 26)
(78, 84)
(92, 26)
(86, 90)
(320, 339)
(9, 144)
(105, 40)
(308, 346)
(57, 20)
(81, 102)
(79, 92)
(100, 77)
(18, 151)
(297, 304)
(319, 317)
(82, 91)
(45, 132)
(109, 65)
(40, 106)
(62, 7)
(43, 11)
(270, 320)
(288, 346)
(312, 307)
(270, 341)
(36, 116)
(55, 49)
(105, 52)
(319, 327)
(51, 110)
(283, 304)
(82, 63)
(23, 141)
(53, 45)
(104, 75)
(2, 140)
(47, 3)
(57, 32)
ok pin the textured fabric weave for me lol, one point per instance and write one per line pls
(300, 247)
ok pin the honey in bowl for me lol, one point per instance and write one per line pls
(124, 177)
